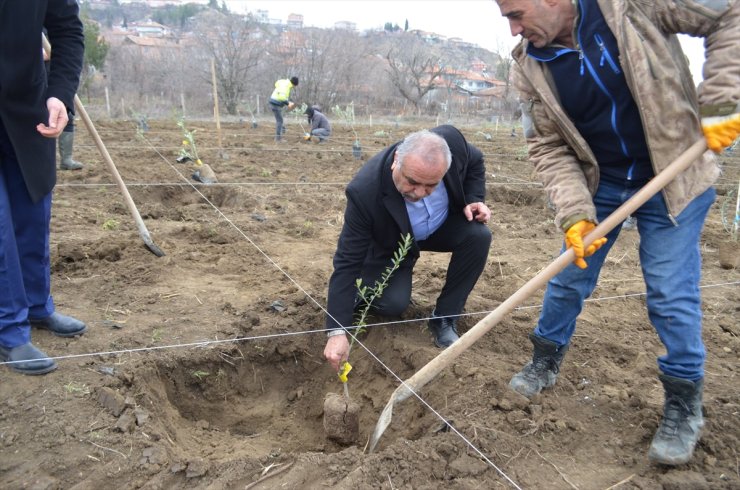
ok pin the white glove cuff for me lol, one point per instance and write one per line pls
(334, 333)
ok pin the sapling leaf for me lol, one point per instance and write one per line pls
(188, 150)
(369, 295)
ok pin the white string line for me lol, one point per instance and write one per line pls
(498, 136)
(322, 149)
(528, 307)
(250, 138)
(522, 183)
(437, 414)
(205, 343)
(334, 140)
(354, 337)
(377, 359)
(424, 402)
(459, 434)
(327, 147)
(345, 329)
(269, 336)
(217, 184)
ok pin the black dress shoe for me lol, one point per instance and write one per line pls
(60, 325)
(444, 331)
(27, 359)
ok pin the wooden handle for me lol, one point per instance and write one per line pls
(80, 109)
(433, 367)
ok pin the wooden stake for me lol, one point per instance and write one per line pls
(107, 101)
(215, 101)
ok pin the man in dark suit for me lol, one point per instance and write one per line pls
(33, 112)
(397, 192)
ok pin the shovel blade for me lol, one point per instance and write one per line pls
(383, 422)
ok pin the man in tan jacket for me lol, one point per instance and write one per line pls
(608, 102)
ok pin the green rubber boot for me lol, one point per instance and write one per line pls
(66, 145)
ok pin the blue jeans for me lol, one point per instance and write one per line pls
(322, 133)
(277, 111)
(671, 267)
(25, 283)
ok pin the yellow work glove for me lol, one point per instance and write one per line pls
(721, 125)
(306, 137)
(574, 239)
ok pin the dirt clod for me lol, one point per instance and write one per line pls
(341, 419)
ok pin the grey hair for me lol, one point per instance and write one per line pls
(425, 144)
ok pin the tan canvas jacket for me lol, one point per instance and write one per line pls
(658, 76)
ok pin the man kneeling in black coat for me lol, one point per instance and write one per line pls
(397, 192)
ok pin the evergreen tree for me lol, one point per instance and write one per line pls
(96, 48)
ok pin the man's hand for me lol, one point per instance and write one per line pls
(721, 125)
(337, 350)
(477, 210)
(574, 239)
(291, 106)
(57, 119)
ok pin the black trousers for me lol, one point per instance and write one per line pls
(468, 241)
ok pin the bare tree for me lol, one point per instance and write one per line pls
(237, 47)
(375, 71)
(503, 70)
(332, 64)
(413, 69)
(150, 78)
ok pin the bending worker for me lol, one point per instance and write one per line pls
(281, 98)
(320, 125)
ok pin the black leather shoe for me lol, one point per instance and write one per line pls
(27, 359)
(444, 331)
(60, 325)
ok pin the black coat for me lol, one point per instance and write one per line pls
(24, 87)
(376, 216)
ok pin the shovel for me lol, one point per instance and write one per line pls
(445, 358)
(143, 232)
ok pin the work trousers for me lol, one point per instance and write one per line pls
(25, 282)
(671, 267)
(322, 133)
(277, 111)
(468, 241)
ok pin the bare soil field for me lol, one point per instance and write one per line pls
(203, 368)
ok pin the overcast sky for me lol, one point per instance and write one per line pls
(475, 21)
